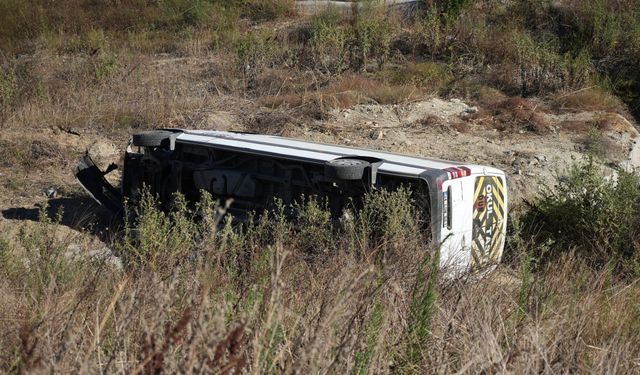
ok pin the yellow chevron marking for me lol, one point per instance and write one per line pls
(495, 235)
(474, 257)
(499, 198)
(499, 184)
(479, 185)
(481, 217)
(497, 212)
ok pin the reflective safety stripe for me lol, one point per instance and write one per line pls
(488, 220)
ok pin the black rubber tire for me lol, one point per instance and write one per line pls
(347, 169)
(153, 138)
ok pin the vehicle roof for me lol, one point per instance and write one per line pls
(293, 148)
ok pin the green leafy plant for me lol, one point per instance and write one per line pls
(254, 52)
(105, 65)
(596, 216)
(371, 38)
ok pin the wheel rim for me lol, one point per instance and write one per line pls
(347, 162)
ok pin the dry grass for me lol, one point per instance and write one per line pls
(255, 307)
(590, 99)
(133, 92)
(429, 76)
(346, 92)
(518, 113)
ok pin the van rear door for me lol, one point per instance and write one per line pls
(489, 220)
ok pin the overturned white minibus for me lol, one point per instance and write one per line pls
(466, 204)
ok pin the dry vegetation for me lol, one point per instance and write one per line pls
(361, 296)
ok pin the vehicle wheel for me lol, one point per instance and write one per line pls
(152, 138)
(347, 169)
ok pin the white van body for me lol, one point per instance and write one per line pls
(460, 246)
(468, 203)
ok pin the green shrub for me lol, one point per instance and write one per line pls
(422, 307)
(337, 45)
(269, 10)
(41, 260)
(254, 52)
(429, 75)
(431, 33)
(105, 65)
(579, 69)
(585, 212)
(225, 25)
(371, 38)
(8, 88)
(363, 358)
(610, 32)
(538, 63)
(156, 240)
(314, 226)
(453, 8)
(186, 12)
(329, 40)
(386, 221)
(594, 143)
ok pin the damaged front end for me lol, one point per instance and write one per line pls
(93, 181)
(147, 162)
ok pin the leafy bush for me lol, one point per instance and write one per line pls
(105, 65)
(429, 75)
(329, 40)
(421, 310)
(314, 227)
(453, 8)
(431, 33)
(386, 220)
(595, 216)
(255, 52)
(7, 90)
(224, 25)
(337, 45)
(158, 241)
(371, 37)
(610, 32)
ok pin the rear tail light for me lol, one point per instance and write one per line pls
(458, 172)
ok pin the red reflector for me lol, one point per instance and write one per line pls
(439, 184)
(454, 172)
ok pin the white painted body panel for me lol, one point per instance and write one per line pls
(286, 147)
